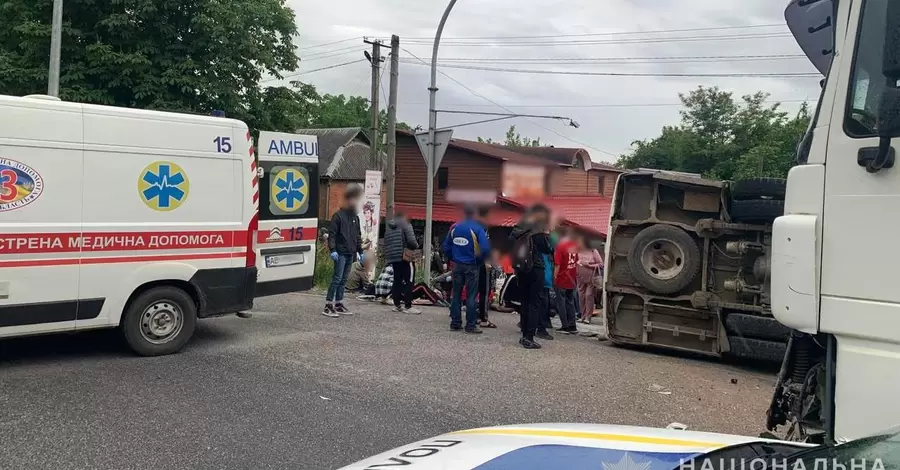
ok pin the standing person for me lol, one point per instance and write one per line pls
(544, 325)
(345, 244)
(484, 276)
(465, 246)
(589, 266)
(531, 241)
(398, 237)
(564, 281)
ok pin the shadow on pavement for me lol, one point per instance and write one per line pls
(106, 343)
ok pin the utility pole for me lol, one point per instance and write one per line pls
(55, 46)
(375, 59)
(392, 124)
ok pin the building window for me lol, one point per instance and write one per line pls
(601, 184)
(443, 177)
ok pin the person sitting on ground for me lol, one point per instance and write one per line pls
(382, 287)
(358, 279)
(422, 293)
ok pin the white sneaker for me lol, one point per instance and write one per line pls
(365, 297)
(398, 309)
(341, 310)
(385, 301)
(414, 311)
(329, 312)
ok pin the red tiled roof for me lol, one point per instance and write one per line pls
(590, 213)
(494, 151)
(498, 217)
(584, 212)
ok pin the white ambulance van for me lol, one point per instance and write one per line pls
(115, 217)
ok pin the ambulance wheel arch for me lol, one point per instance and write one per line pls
(160, 314)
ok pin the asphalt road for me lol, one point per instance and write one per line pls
(290, 388)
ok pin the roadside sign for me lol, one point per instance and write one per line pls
(441, 139)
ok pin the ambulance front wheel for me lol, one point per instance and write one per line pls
(159, 321)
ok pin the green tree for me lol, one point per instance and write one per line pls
(721, 138)
(191, 56)
(514, 139)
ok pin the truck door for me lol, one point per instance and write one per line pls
(285, 243)
(860, 300)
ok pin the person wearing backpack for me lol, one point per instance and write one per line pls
(466, 246)
(531, 241)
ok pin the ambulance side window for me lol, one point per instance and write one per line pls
(289, 191)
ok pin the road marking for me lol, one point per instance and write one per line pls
(591, 435)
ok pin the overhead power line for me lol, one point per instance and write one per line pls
(599, 42)
(613, 33)
(354, 50)
(596, 105)
(475, 93)
(630, 74)
(325, 53)
(305, 72)
(314, 46)
(622, 60)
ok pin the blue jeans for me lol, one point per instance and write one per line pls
(464, 275)
(341, 271)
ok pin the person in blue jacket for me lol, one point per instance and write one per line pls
(466, 246)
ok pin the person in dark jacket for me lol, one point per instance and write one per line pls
(345, 244)
(399, 236)
(484, 276)
(466, 246)
(535, 224)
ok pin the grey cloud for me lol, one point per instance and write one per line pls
(609, 129)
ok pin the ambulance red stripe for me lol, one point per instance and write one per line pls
(117, 259)
(75, 242)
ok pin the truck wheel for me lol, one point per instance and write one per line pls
(664, 258)
(756, 188)
(160, 321)
(757, 349)
(763, 211)
(755, 326)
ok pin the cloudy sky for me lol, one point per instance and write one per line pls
(624, 35)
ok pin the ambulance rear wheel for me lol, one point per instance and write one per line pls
(159, 321)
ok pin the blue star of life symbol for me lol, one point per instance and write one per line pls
(289, 190)
(164, 186)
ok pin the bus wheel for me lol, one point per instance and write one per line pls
(159, 321)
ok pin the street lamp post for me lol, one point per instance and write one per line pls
(432, 127)
(55, 46)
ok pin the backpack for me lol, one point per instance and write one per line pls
(522, 255)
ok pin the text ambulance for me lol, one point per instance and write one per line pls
(114, 217)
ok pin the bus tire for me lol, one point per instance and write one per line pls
(664, 258)
(159, 321)
(756, 326)
(758, 188)
(757, 349)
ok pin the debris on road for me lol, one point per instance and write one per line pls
(658, 389)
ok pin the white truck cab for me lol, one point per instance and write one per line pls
(116, 217)
(833, 263)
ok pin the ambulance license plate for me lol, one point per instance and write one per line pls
(276, 261)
